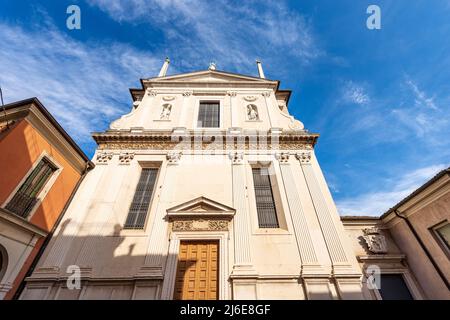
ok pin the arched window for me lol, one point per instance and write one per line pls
(3, 261)
(252, 112)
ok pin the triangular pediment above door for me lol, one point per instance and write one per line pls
(201, 206)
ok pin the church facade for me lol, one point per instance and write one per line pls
(207, 189)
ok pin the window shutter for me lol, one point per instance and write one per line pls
(26, 197)
(208, 115)
(265, 204)
(142, 199)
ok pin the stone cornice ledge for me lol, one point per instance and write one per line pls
(22, 223)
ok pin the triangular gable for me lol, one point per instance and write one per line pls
(209, 76)
(201, 206)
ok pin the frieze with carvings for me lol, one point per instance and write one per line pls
(200, 225)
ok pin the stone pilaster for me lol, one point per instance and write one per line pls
(242, 255)
(301, 230)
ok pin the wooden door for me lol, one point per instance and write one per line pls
(197, 271)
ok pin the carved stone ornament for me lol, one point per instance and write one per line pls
(200, 225)
(126, 157)
(236, 157)
(104, 157)
(151, 93)
(266, 94)
(304, 157)
(252, 112)
(136, 104)
(375, 240)
(187, 93)
(250, 98)
(168, 98)
(165, 112)
(174, 157)
(232, 93)
(283, 157)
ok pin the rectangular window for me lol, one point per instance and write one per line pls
(442, 231)
(208, 115)
(142, 199)
(393, 287)
(265, 204)
(26, 197)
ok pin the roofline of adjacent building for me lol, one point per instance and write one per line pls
(35, 101)
(439, 175)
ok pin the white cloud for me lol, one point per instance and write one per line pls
(355, 93)
(376, 203)
(84, 85)
(233, 34)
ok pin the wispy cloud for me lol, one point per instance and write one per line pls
(84, 85)
(377, 202)
(355, 93)
(231, 33)
(421, 97)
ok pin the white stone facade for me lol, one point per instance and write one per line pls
(207, 178)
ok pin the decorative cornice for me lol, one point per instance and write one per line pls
(117, 140)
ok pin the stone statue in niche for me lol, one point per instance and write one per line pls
(165, 113)
(252, 112)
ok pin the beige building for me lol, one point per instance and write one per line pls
(410, 243)
(207, 189)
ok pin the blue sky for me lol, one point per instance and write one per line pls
(379, 98)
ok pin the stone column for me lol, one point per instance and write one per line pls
(241, 226)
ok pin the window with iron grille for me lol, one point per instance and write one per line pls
(265, 204)
(25, 198)
(142, 199)
(208, 115)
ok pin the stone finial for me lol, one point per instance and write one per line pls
(165, 66)
(260, 69)
(212, 66)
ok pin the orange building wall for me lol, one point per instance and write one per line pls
(20, 148)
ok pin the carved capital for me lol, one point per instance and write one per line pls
(174, 157)
(187, 93)
(126, 157)
(151, 93)
(375, 240)
(104, 157)
(266, 94)
(304, 157)
(236, 157)
(231, 93)
(283, 157)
